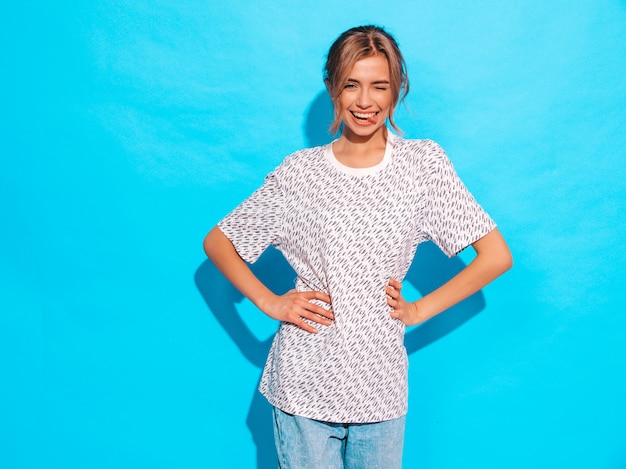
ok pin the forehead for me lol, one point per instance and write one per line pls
(375, 67)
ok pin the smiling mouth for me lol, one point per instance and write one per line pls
(365, 116)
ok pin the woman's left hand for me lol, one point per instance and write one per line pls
(402, 310)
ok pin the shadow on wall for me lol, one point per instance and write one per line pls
(318, 119)
(430, 269)
(221, 298)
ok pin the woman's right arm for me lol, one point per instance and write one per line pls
(291, 307)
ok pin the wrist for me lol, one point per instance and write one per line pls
(264, 301)
(417, 313)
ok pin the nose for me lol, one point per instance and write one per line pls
(364, 99)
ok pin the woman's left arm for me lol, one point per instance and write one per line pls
(493, 258)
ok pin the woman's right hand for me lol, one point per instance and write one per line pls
(294, 307)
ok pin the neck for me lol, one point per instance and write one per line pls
(361, 152)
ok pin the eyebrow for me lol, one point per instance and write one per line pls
(377, 82)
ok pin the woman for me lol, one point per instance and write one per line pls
(348, 217)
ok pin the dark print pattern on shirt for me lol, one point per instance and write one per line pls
(345, 232)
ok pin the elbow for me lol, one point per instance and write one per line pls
(495, 252)
(503, 261)
(507, 262)
(494, 264)
(206, 245)
(210, 241)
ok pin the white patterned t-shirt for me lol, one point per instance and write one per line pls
(346, 232)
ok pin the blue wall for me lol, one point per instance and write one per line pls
(129, 128)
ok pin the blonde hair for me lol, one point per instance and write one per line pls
(359, 43)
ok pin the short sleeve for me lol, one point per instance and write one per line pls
(255, 224)
(454, 219)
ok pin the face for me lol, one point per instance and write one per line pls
(365, 102)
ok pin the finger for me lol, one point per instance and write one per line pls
(305, 326)
(313, 295)
(396, 314)
(318, 314)
(317, 309)
(318, 319)
(301, 308)
(299, 321)
(316, 295)
(395, 284)
(392, 292)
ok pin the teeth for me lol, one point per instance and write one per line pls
(362, 115)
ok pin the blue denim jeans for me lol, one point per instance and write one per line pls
(302, 443)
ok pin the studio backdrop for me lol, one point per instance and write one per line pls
(129, 128)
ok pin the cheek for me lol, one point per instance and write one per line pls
(390, 106)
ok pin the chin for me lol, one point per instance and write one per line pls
(364, 131)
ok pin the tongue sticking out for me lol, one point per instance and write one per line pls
(364, 119)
